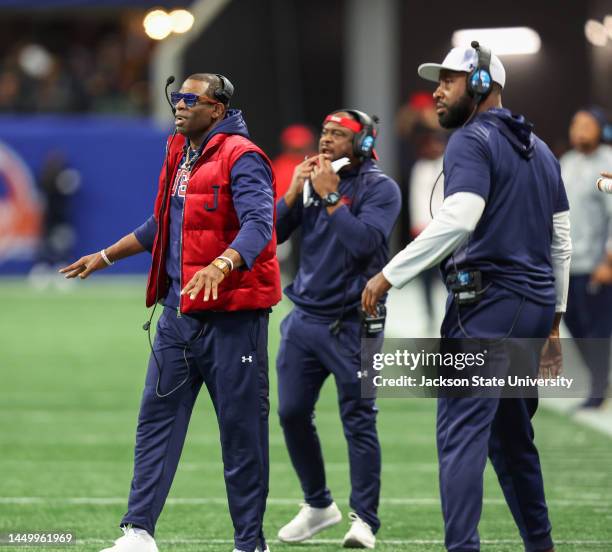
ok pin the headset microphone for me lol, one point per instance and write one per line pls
(169, 81)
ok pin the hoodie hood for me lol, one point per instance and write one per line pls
(515, 128)
(232, 123)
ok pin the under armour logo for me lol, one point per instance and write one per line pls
(245, 358)
(363, 374)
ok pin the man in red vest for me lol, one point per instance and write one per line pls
(215, 270)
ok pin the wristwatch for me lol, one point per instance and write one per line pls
(331, 199)
(222, 265)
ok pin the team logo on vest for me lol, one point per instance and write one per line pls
(215, 200)
(179, 188)
(20, 207)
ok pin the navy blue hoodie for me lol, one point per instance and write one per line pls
(498, 157)
(253, 200)
(341, 251)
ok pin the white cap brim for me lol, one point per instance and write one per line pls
(463, 60)
(431, 71)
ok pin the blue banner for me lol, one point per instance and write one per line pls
(106, 171)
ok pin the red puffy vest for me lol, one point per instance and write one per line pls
(208, 231)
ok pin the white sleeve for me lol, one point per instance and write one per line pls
(450, 227)
(561, 253)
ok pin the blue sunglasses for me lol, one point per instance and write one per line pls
(189, 99)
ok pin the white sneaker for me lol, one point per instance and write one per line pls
(309, 522)
(359, 535)
(133, 540)
(258, 549)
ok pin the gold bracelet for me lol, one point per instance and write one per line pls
(222, 265)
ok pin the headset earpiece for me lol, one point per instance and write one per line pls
(365, 139)
(227, 90)
(479, 81)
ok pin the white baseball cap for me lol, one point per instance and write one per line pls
(462, 59)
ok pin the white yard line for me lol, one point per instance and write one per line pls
(603, 502)
(379, 541)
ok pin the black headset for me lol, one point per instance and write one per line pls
(479, 81)
(365, 139)
(227, 90)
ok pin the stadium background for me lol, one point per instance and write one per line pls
(72, 358)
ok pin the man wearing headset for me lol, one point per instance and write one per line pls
(505, 220)
(215, 270)
(345, 229)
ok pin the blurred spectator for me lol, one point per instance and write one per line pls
(67, 64)
(416, 114)
(58, 182)
(589, 306)
(9, 90)
(424, 200)
(422, 143)
(414, 122)
(297, 143)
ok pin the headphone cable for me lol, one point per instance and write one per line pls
(147, 325)
(433, 189)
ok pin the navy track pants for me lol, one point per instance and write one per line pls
(228, 352)
(589, 315)
(471, 429)
(308, 354)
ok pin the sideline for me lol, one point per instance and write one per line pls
(602, 502)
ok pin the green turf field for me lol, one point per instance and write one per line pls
(71, 369)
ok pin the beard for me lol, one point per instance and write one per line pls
(457, 114)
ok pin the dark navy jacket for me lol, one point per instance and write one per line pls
(253, 200)
(498, 157)
(341, 251)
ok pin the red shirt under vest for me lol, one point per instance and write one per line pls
(207, 232)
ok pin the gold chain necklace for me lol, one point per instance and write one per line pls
(189, 160)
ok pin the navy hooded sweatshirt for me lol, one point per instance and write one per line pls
(253, 201)
(341, 251)
(498, 157)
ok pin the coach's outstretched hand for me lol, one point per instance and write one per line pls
(207, 278)
(125, 247)
(84, 266)
(376, 287)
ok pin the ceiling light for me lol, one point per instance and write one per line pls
(503, 41)
(595, 32)
(608, 24)
(157, 24)
(181, 21)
